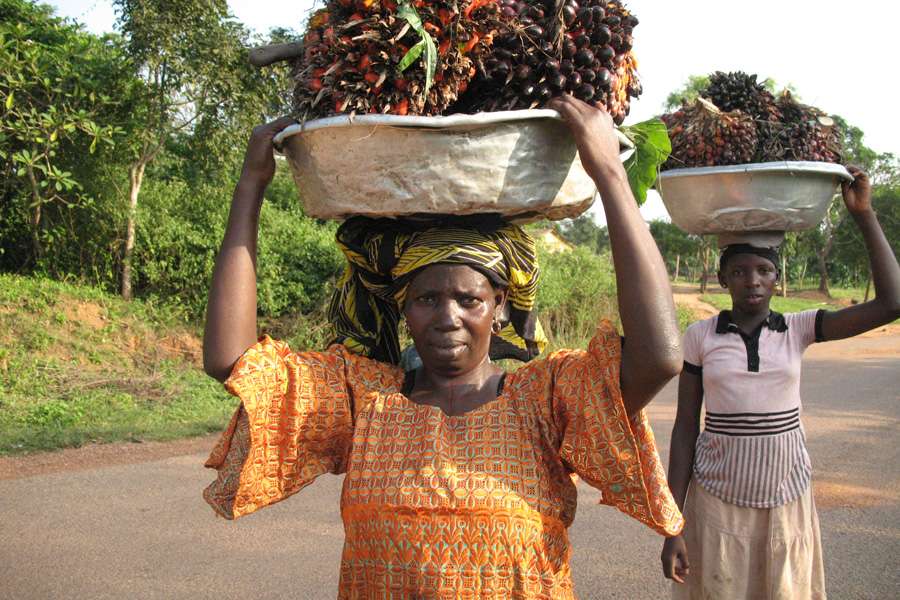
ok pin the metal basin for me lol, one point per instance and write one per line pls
(773, 196)
(521, 164)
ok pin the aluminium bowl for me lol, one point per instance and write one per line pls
(521, 164)
(771, 196)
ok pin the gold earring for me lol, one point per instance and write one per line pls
(496, 326)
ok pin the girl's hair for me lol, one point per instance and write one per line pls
(770, 254)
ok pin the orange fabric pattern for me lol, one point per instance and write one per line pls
(438, 506)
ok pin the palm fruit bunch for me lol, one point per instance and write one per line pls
(550, 47)
(704, 136)
(805, 133)
(783, 129)
(740, 91)
(375, 56)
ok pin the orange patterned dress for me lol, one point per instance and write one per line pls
(437, 506)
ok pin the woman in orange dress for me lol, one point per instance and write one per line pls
(457, 476)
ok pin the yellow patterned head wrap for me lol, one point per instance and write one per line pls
(383, 254)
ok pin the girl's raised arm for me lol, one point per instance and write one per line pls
(885, 307)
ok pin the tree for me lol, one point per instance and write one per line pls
(58, 87)
(584, 231)
(676, 246)
(193, 60)
(706, 257)
(686, 93)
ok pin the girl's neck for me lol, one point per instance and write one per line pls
(748, 321)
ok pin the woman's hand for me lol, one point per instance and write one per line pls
(858, 193)
(259, 160)
(595, 136)
(675, 559)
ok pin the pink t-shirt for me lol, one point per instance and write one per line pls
(752, 451)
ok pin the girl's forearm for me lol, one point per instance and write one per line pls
(231, 310)
(681, 463)
(885, 270)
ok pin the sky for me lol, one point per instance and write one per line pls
(839, 56)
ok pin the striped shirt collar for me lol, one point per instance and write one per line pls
(775, 321)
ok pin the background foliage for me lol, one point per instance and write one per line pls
(118, 158)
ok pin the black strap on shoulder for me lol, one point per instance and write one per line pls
(819, 317)
(692, 368)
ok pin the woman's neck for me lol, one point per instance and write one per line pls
(456, 393)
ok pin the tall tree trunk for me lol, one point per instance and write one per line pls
(35, 214)
(784, 276)
(677, 265)
(824, 250)
(136, 178)
(823, 272)
(868, 285)
(705, 275)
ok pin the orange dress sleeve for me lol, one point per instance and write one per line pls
(295, 423)
(611, 452)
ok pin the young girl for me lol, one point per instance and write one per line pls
(751, 526)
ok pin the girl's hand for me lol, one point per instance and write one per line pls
(259, 160)
(857, 194)
(593, 130)
(675, 559)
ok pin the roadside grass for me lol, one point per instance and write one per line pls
(78, 365)
(857, 294)
(779, 304)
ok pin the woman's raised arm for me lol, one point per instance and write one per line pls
(231, 309)
(652, 352)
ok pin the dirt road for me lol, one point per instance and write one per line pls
(128, 521)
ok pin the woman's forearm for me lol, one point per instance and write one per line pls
(231, 310)
(645, 296)
(646, 306)
(652, 353)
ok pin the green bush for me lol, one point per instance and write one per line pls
(577, 289)
(180, 229)
(298, 262)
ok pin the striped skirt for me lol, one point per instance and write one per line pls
(738, 553)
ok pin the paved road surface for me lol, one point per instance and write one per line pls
(142, 531)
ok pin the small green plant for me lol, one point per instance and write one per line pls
(54, 414)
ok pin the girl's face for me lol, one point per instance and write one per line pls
(750, 280)
(449, 310)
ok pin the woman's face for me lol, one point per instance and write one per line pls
(750, 280)
(449, 311)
